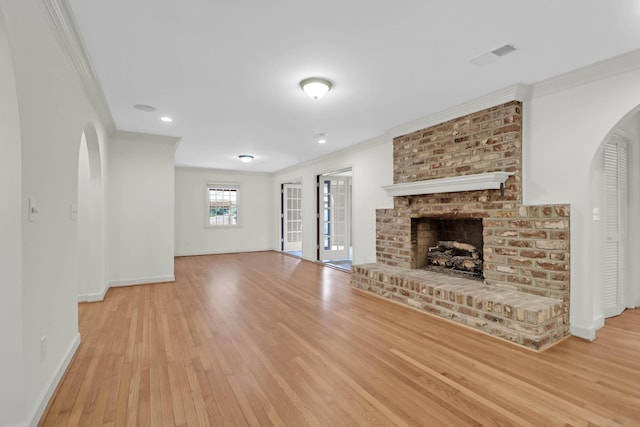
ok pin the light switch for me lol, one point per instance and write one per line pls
(33, 210)
(73, 211)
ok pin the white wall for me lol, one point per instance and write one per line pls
(372, 165)
(255, 213)
(84, 223)
(53, 111)
(565, 129)
(12, 390)
(140, 208)
(92, 181)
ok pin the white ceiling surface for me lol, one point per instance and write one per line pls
(228, 71)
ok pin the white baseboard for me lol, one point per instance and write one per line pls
(235, 251)
(53, 383)
(94, 297)
(142, 281)
(598, 322)
(119, 283)
(587, 333)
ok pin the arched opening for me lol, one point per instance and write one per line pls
(615, 179)
(89, 215)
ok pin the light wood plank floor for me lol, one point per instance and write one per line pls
(265, 339)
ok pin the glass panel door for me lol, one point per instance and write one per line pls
(334, 226)
(292, 217)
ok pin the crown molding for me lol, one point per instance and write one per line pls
(338, 154)
(214, 171)
(600, 70)
(66, 31)
(516, 92)
(146, 137)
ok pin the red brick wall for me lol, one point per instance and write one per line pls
(486, 141)
(525, 247)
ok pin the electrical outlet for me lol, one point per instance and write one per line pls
(43, 347)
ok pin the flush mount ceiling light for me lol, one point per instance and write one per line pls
(145, 108)
(245, 158)
(315, 87)
(166, 119)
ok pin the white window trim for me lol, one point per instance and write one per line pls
(224, 185)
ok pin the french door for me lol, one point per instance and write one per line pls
(334, 235)
(291, 217)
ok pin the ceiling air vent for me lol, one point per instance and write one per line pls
(494, 55)
(502, 51)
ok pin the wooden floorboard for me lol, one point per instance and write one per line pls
(262, 339)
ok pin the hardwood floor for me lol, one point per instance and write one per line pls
(267, 339)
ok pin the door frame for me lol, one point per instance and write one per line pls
(282, 213)
(348, 213)
(631, 289)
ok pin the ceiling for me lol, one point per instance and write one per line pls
(228, 72)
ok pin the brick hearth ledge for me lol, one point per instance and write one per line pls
(526, 319)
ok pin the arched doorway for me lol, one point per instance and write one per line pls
(616, 183)
(89, 215)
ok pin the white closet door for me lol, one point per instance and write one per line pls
(615, 226)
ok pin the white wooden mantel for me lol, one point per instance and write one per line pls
(480, 181)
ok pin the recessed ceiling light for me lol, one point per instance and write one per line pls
(315, 87)
(166, 119)
(321, 138)
(245, 158)
(144, 107)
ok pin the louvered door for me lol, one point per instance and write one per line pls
(615, 226)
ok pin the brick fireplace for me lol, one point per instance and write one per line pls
(524, 292)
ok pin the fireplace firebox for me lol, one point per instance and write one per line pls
(449, 245)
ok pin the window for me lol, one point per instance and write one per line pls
(222, 204)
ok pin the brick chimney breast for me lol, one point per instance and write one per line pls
(525, 248)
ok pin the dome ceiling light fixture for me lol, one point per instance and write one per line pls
(315, 87)
(245, 158)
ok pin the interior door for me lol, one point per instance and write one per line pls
(615, 226)
(292, 217)
(334, 220)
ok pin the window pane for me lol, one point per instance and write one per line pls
(223, 206)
